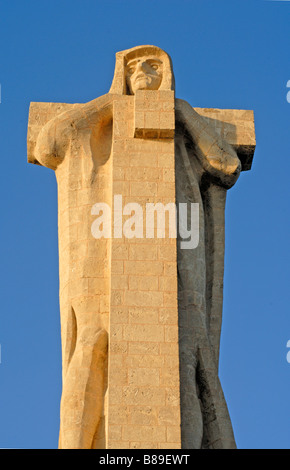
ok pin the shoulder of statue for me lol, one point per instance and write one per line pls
(80, 111)
(184, 111)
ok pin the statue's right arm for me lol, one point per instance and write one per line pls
(55, 136)
(51, 143)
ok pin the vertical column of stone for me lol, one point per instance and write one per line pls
(143, 383)
(84, 286)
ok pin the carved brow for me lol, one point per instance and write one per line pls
(131, 62)
(134, 61)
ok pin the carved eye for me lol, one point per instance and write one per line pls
(130, 70)
(154, 66)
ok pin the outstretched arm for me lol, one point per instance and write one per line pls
(216, 156)
(55, 136)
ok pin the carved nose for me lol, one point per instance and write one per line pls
(141, 66)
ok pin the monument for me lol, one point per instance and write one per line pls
(141, 308)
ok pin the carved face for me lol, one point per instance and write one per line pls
(144, 73)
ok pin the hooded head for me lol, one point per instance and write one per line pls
(142, 68)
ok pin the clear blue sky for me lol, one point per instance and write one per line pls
(226, 54)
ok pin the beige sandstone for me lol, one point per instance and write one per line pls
(141, 317)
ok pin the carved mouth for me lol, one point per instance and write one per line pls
(141, 77)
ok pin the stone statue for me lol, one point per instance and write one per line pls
(118, 321)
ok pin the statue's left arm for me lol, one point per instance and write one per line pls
(216, 156)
